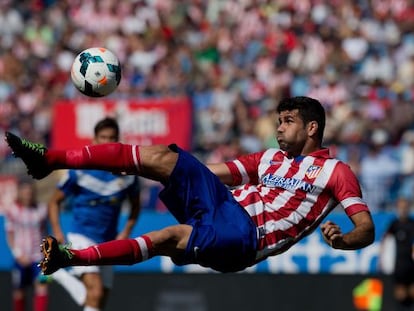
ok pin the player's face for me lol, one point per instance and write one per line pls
(106, 135)
(291, 132)
(403, 208)
(26, 194)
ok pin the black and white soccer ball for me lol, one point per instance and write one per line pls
(96, 72)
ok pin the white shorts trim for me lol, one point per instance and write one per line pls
(80, 241)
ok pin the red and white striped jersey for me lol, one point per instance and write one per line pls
(27, 226)
(288, 198)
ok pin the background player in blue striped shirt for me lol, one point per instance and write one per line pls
(96, 198)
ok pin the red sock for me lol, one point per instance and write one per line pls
(114, 157)
(40, 303)
(18, 304)
(117, 252)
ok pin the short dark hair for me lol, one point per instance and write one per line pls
(309, 109)
(105, 123)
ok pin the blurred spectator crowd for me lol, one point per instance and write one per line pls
(235, 59)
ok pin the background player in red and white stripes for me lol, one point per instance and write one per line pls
(278, 197)
(26, 221)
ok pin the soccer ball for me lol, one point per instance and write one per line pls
(96, 72)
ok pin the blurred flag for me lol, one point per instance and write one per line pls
(367, 295)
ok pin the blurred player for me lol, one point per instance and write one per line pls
(278, 196)
(25, 227)
(401, 230)
(95, 198)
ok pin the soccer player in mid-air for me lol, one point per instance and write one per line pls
(276, 197)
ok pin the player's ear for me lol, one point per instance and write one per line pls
(313, 128)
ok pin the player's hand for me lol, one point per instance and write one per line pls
(122, 235)
(60, 237)
(24, 261)
(332, 234)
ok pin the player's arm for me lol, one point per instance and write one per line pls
(412, 249)
(361, 235)
(347, 191)
(15, 249)
(54, 214)
(382, 254)
(223, 172)
(239, 171)
(10, 240)
(387, 234)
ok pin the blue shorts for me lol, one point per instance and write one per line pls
(23, 277)
(224, 237)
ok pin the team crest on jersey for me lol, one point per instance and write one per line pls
(313, 171)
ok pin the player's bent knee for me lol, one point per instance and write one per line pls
(95, 293)
(159, 160)
(171, 240)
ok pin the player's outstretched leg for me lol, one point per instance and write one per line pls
(41, 161)
(154, 162)
(32, 154)
(170, 241)
(116, 252)
(55, 256)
